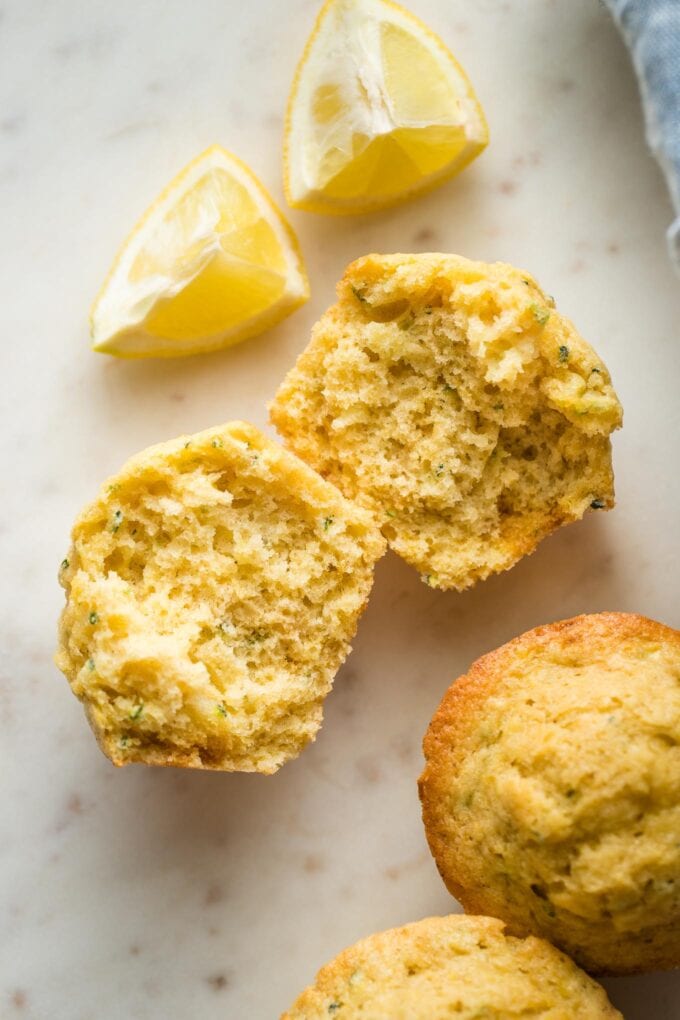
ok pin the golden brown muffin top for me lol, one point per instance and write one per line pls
(551, 791)
(459, 966)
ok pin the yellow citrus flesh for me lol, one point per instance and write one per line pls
(379, 111)
(211, 263)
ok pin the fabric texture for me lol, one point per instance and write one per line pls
(651, 29)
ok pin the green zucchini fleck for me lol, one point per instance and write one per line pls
(541, 314)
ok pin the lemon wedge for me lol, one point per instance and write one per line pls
(212, 262)
(379, 111)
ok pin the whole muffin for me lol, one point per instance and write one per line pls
(459, 966)
(212, 589)
(452, 399)
(551, 791)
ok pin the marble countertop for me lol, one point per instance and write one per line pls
(158, 893)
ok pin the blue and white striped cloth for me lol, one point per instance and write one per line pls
(651, 29)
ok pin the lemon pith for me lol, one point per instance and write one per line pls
(379, 111)
(211, 263)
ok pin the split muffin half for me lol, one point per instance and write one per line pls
(212, 590)
(454, 401)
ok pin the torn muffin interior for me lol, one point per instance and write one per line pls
(212, 591)
(451, 398)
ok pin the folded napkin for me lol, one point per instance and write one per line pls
(651, 29)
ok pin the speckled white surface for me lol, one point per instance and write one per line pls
(146, 894)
